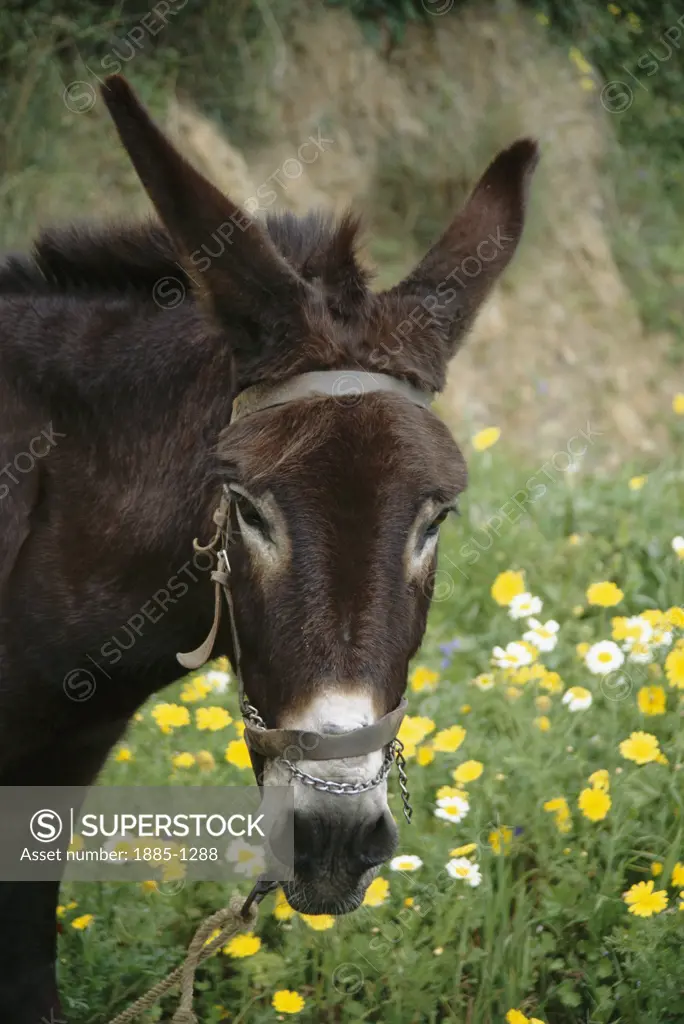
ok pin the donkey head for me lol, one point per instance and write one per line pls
(337, 500)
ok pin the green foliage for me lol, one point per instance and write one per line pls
(637, 48)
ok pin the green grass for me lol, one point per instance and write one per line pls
(547, 930)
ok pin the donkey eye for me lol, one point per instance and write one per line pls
(434, 526)
(250, 515)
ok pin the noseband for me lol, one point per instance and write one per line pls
(292, 745)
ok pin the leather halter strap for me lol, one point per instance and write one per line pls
(335, 383)
(315, 746)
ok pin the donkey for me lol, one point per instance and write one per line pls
(116, 443)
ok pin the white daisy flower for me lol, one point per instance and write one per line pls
(246, 860)
(639, 631)
(678, 546)
(639, 653)
(524, 605)
(405, 862)
(218, 681)
(543, 636)
(465, 870)
(604, 657)
(512, 656)
(661, 638)
(452, 808)
(485, 681)
(577, 698)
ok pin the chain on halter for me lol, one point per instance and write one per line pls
(393, 753)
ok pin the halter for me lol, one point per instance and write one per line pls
(291, 745)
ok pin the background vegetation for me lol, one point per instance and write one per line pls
(218, 52)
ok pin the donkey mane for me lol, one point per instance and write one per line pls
(131, 258)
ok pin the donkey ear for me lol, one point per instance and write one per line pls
(458, 272)
(230, 257)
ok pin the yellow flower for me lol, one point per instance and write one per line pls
(579, 61)
(574, 539)
(582, 650)
(675, 617)
(552, 682)
(425, 755)
(184, 760)
(594, 804)
(543, 723)
(409, 901)
(319, 922)
(194, 690)
(677, 874)
(465, 709)
(600, 779)
(516, 1017)
(641, 747)
(678, 404)
(149, 886)
(170, 716)
(237, 753)
(604, 594)
(282, 911)
(643, 902)
(508, 585)
(651, 700)
(287, 1001)
(376, 893)
(637, 482)
(447, 741)
(212, 718)
(463, 851)
(445, 791)
(485, 438)
(205, 760)
(674, 668)
(243, 945)
(634, 21)
(656, 868)
(543, 703)
(559, 807)
(82, 922)
(468, 771)
(77, 843)
(124, 754)
(500, 840)
(423, 679)
(412, 731)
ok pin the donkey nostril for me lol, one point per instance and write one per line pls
(307, 846)
(378, 842)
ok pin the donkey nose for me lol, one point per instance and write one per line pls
(320, 843)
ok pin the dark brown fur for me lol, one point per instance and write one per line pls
(135, 398)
